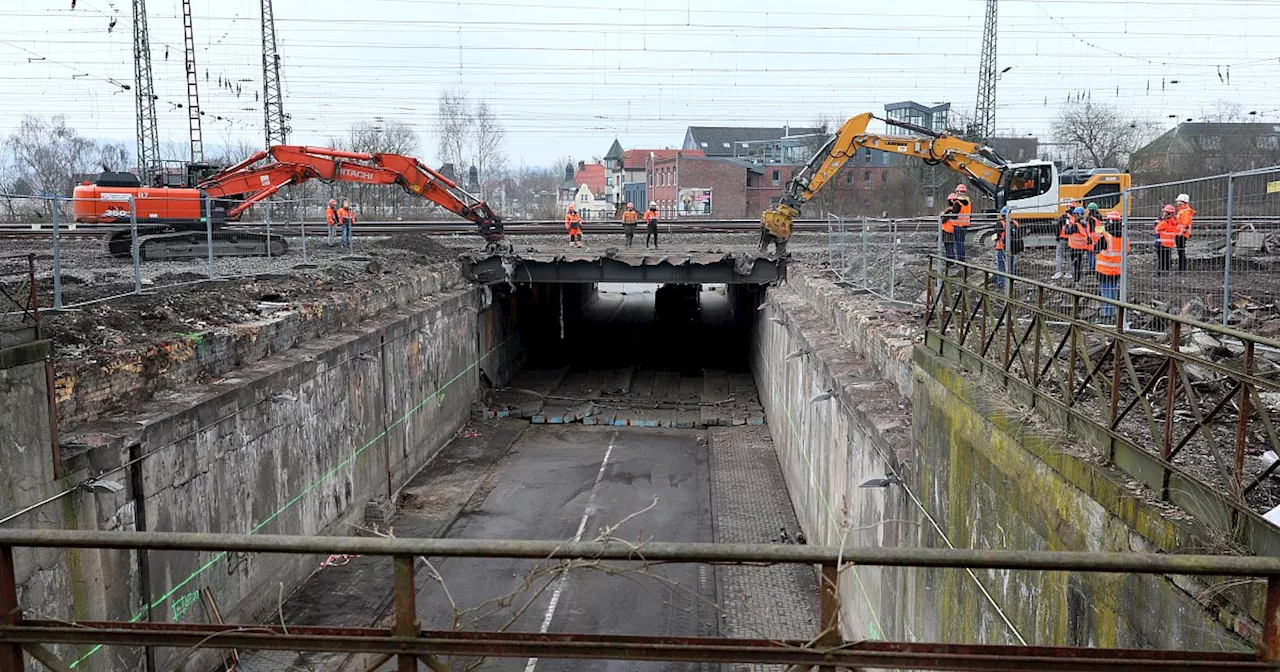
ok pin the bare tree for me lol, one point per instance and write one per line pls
(1093, 135)
(49, 154)
(454, 122)
(488, 143)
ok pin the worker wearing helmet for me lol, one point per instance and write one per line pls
(1168, 231)
(1007, 228)
(573, 224)
(1078, 242)
(1184, 214)
(964, 210)
(651, 224)
(948, 222)
(1066, 223)
(346, 217)
(1111, 250)
(629, 219)
(331, 219)
(1094, 228)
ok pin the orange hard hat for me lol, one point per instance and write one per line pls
(951, 196)
(1113, 216)
(629, 205)
(1170, 209)
(333, 201)
(571, 206)
(961, 189)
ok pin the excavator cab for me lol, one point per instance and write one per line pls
(1030, 188)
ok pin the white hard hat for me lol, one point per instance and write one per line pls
(1182, 198)
(653, 204)
(961, 189)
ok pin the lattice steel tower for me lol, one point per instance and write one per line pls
(277, 124)
(193, 90)
(984, 113)
(144, 90)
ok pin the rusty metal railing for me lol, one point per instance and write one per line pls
(19, 306)
(408, 644)
(1175, 388)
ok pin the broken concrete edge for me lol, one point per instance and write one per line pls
(87, 390)
(532, 266)
(27, 353)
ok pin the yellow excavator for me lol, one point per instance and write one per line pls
(1035, 190)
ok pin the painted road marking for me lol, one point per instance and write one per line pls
(582, 525)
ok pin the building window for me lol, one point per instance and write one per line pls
(866, 180)
(848, 179)
(608, 181)
(704, 145)
(777, 177)
(884, 176)
(866, 158)
(1268, 142)
(1211, 143)
(726, 145)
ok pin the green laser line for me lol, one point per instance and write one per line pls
(315, 484)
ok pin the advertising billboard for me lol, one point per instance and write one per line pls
(694, 202)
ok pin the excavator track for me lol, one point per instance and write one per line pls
(154, 244)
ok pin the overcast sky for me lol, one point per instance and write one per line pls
(567, 76)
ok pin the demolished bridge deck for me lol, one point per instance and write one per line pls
(611, 265)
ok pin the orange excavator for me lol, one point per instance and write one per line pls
(171, 219)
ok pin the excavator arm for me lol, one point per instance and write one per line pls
(260, 176)
(984, 168)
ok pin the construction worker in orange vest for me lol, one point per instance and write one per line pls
(1167, 232)
(346, 217)
(573, 224)
(948, 223)
(1078, 242)
(1005, 215)
(1111, 250)
(1184, 215)
(1093, 219)
(629, 219)
(651, 224)
(331, 219)
(964, 210)
(1065, 223)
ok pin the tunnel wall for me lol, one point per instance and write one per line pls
(310, 441)
(976, 472)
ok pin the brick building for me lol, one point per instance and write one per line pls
(740, 189)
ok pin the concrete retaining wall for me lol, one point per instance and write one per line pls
(295, 443)
(978, 475)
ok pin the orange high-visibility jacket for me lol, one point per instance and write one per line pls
(331, 215)
(650, 215)
(1168, 229)
(1109, 260)
(346, 215)
(1185, 215)
(1013, 224)
(1079, 237)
(966, 209)
(572, 220)
(630, 217)
(1068, 225)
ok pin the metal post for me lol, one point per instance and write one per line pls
(1124, 247)
(1226, 267)
(1008, 253)
(134, 247)
(10, 611)
(1175, 340)
(303, 223)
(267, 217)
(866, 282)
(406, 610)
(57, 256)
(1269, 647)
(893, 255)
(208, 233)
(1242, 421)
(829, 612)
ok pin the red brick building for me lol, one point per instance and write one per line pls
(740, 189)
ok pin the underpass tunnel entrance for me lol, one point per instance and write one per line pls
(673, 354)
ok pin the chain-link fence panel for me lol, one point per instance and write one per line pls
(886, 257)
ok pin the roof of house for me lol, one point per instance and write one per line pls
(718, 140)
(592, 175)
(1181, 139)
(638, 158)
(615, 151)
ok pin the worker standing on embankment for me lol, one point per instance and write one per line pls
(573, 224)
(651, 224)
(964, 210)
(1184, 214)
(331, 219)
(629, 219)
(346, 217)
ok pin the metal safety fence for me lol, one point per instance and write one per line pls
(87, 250)
(1188, 410)
(406, 644)
(882, 256)
(19, 301)
(1216, 262)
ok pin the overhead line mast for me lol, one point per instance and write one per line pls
(193, 89)
(144, 92)
(985, 111)
(276, 123)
